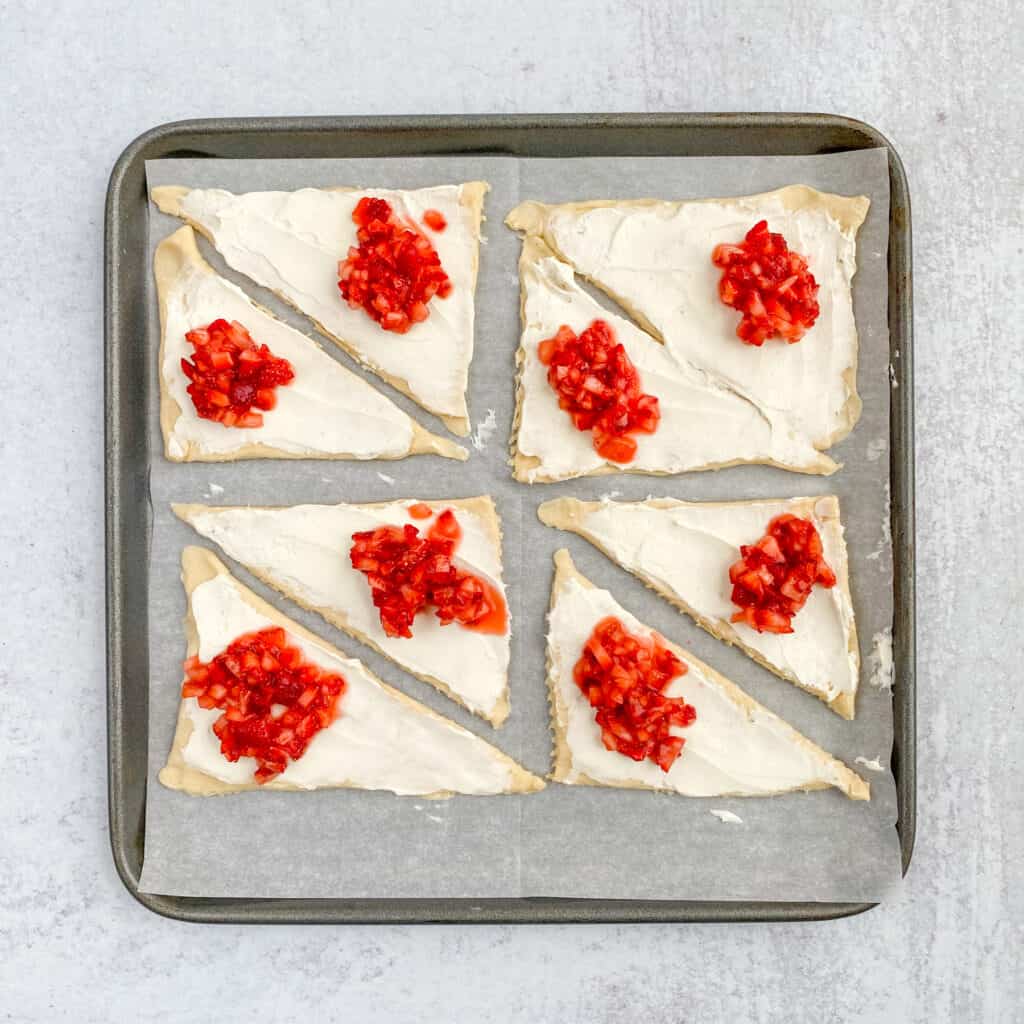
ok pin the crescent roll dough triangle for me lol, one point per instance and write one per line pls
(292, 243)
(654, 259)
(326, 412)
(704, 423)
(303, 551)
(735, 747)
(683, 551)
(381, 738)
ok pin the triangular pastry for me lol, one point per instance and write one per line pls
(304, 552)
(378, 738)
(732, 746)
(704, 423)
(684, 551)
(294, 243)
(324, 412)
(655, 259)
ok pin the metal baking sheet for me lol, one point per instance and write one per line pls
(432, 912)
(650, 847)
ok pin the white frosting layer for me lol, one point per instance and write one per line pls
(304, 550)
(377, 742)
(325, 408)
(702, 422)
(291, 242)
(730, 750)
(657, 259)
(688, 549)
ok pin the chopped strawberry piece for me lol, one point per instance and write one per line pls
(407, 572)
(615, 449)
(420, 511)
(774, 577)
(624, 677)
(394, 271)
(599, 387)
(769, 284)
(274, 701)
(447, 527)
(434, 219)
(230, 374)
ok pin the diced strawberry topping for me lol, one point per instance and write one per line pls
(420, 511)
(408, 571)
(598, 385)
(623, 677)
(274, 701)
(774, 577)
(434, 219)
(394, 271)
(769, 284)
(230, 374)
(446, 528)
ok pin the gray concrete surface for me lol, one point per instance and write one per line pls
(942, 80)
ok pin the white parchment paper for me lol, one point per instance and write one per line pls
(564, 841)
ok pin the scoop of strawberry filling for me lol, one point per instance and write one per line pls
(769, 284)
(230, 374)
(599, 387)
(394, 271)
(408, 572)
(623, 676)
(274, 701)
(774, 577)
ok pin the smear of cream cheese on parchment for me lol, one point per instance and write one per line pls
(727, 816)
